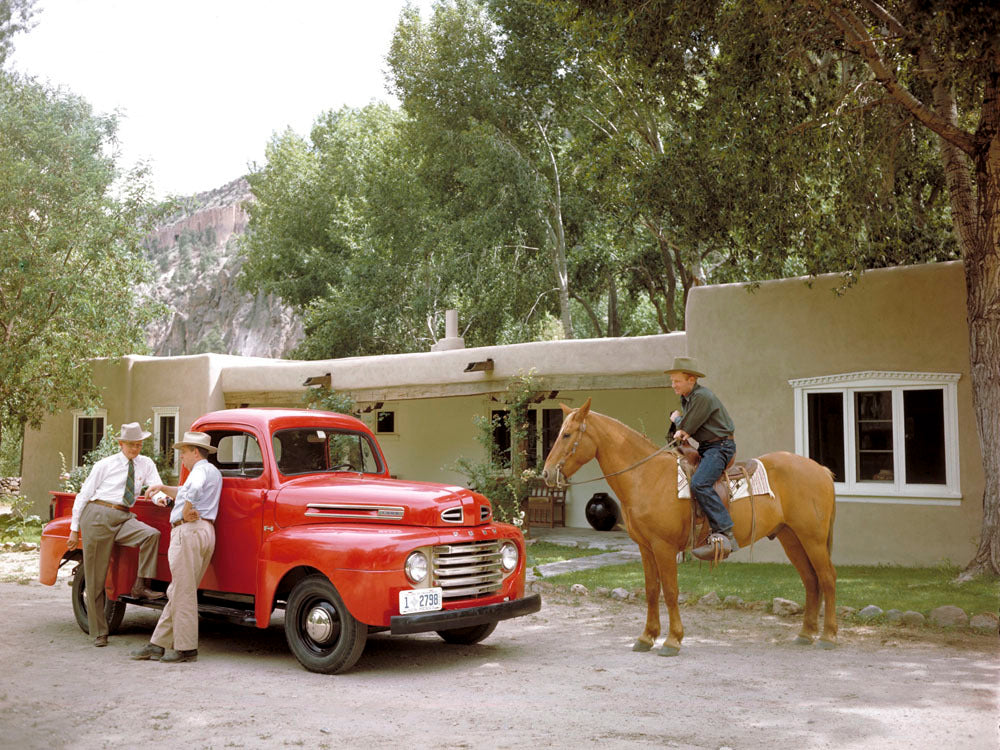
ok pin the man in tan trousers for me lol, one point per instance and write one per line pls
(102, 510)
(192, 541)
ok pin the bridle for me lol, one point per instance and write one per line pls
(563, 481)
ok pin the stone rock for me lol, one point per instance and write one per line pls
(949, 616)
(196, 264)
(785, 607)
(893, 615)
(870, 612)
(986, 622)
(733, 602)
(845, 611)
(602, 591)
(682, 597)
(620, 594)
(579, 589)
(912, 619)
(711, 599)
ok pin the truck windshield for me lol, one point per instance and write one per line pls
(307, 451)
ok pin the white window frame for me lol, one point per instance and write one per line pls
(167, 411)
(79, 414)
(896, 491)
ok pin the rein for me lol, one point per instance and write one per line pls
(583, 428)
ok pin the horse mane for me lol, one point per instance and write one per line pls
(633, 436)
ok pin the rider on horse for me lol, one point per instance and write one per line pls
(704, 418)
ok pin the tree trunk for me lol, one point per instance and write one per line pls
(982, 283)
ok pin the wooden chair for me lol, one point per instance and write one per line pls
(546, 506)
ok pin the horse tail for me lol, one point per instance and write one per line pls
(833, 515)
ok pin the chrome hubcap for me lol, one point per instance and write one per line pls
(319, 625)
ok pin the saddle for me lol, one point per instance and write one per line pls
(689, 458)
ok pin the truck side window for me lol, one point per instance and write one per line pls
(307, 451)
(239, 454)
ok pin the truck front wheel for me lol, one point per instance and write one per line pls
(468, 636)
(114, 611)
(320, 631)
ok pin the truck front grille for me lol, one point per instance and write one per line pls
(467, 570)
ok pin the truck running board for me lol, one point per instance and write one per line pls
(231, 614)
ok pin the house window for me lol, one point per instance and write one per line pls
(385, 421)
(886, 436)
(87, 433)
(551, 422)
(165, 420)
(501, 436)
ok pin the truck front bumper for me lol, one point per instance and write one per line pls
(464, 618)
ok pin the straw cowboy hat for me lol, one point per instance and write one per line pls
(686, 364)
(197, 440)
(132, 432)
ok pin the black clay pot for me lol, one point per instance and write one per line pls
(602, 511)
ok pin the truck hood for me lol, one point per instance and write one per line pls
(346, 498)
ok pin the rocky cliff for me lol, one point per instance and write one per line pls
(196, 264)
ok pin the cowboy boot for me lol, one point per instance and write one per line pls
(141, 590)
(718, 546)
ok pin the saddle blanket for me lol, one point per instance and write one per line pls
(759, 484)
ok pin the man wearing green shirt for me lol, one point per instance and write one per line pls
(703, 417)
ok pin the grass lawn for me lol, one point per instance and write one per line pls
(889, 587)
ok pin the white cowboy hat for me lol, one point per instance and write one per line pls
(198, 440)
(132, 432)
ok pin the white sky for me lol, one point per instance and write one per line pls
(201, 85)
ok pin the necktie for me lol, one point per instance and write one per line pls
(129, 496)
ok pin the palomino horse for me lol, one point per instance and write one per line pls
(800, 516)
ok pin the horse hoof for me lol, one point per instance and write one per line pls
(803, 641)
(826, 645)
(641, 646)
(666, 650)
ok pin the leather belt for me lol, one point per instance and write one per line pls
(175, 524)
(718, 439)
(116, 506)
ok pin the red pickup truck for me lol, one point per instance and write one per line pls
(311, 522)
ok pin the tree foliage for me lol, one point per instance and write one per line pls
(70, 250)
(880, 126)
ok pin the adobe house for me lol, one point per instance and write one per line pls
(874, 384)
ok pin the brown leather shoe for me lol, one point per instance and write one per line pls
(101, 640)
(141, 590)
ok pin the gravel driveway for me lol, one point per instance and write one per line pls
(563, 678)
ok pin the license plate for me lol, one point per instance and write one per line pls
(419, 600)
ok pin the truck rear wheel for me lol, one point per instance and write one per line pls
(468, 636)
(320, 631)
(114, 611)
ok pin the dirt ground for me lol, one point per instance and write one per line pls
(565, 678)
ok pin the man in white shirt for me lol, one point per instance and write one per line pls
(192, 542)
(102, 512)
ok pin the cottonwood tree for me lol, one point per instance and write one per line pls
(70, 250)
(456, 73)
(902, 72)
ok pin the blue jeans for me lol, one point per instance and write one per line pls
(714, 457)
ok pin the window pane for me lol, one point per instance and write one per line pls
(873, 412)
(385, 421)
(826, 431)
(90, 432)
(923, 415)
(168, 436)
(501, 438)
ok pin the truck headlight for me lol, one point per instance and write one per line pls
(416, 566)
(509, 556)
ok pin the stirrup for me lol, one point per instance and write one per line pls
(717, 547)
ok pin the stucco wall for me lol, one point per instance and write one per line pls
(911, 319)
(129, 388)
